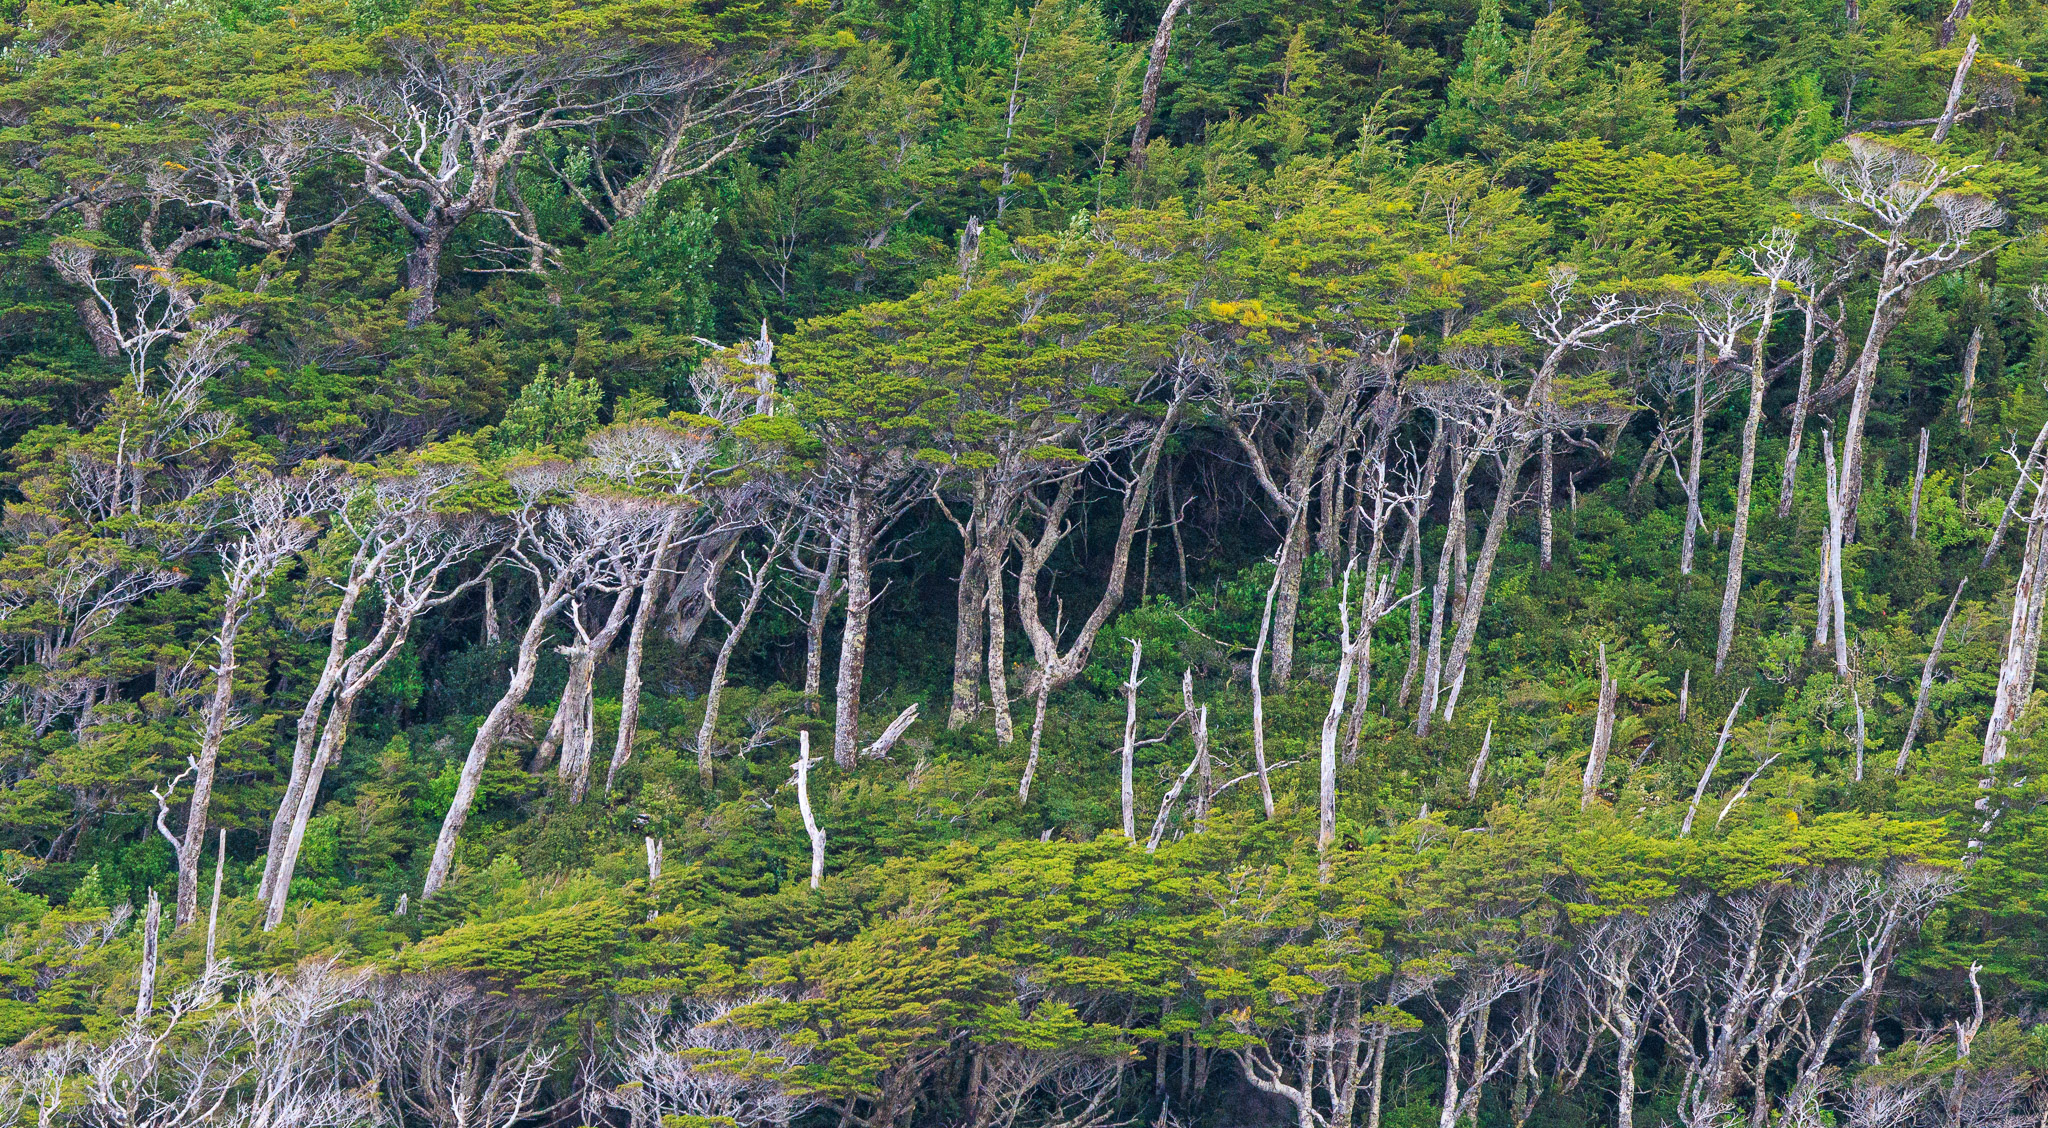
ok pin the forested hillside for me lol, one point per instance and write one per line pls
(1023, 563)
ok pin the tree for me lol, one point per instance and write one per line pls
(1922, 218)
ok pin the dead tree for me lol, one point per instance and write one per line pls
(1927, 679)
(803, 801)
(558, 544)
(445, 1049)
(1603, 734)
(1057, 660)
(1906, 205)
(1777, 264)
(1692, 810)
(2023, 633)
(274, 519)
(412, 583)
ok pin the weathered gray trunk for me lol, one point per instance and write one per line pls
(856, 520)
(1800, 403)
(1482, 569)
(636, 649)
(549, 601)
(1745, 486)
(2023, 636)
(708, 730)
(1927, 679)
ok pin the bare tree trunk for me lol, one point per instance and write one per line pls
(220, 871)
(2012, 500)
(1037, 732)
(550, 600)
(1326, 776)
(1692, 465)
(1603, 734)
(636, 649)
(1966, 404)
(1479, 765)
(1148, 98)
(1414, 628)
(853, 641)
(493, 634)
(1544, 492)
(1838, 520)
(803, 800)
(1259, 702)
(423, 274)
(1927, 679)
(245, 582)
(362, 572)
(822, 599)
(1128, 783)
(1800, 405)
(998, 657)
(359, 672)
(970, 597)
(152, 923)
(2023, 635)
(1957, 13)
(707, 732)
(1489, 551)
(1919, 480)
(1955, 86)
(1745, 484)
(1707, 776)
(1449, 566)
(1293, 558)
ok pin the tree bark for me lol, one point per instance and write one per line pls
(1489, 551)
(803, 800)
(2023, 636)
(708, 730)
(1692, 465)
(1603, 735)
(1927, 679)
(1966, 404)
(1745, 484)
(636, 649)
(1148, 98)
(1128, 762)
(1919, 480)
(550, 601)
(857, 519)
(1800, 404)
(362, 572)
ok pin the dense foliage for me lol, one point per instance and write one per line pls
(1023, 563)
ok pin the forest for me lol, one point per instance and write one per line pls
(536, 540)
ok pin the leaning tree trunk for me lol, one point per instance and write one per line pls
(1692, 468)
(192, 848)
(708, 730)
(1789, 478)
(1148, 98)
(2023, 636)
(853, 641)
(1287, 611)
(1745, 485)
(363, 670)
(492, 730)
(307, 734)
(636, 649)
(1482, 569)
